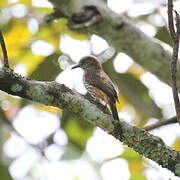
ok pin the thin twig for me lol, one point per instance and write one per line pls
(3, 46)
(177, 24)
(161, 123)
(170, 19)
(175, 39)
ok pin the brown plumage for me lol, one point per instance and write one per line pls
(98, 83)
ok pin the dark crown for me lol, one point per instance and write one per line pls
(89, 62)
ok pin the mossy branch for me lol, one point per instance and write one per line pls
(54, 94)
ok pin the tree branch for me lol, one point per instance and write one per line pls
(3, 46)
(161, 123)
(54, 94)
(175, 38)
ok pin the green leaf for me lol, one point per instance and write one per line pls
(77, 129)
(140, 176)
(44, 9)
(48, 69)
(4, 173)
(129, 154)
(163, 35)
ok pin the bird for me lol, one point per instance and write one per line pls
(98, 83)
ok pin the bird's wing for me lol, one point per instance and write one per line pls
(104, 83)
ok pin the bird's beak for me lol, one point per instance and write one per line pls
(75, 66)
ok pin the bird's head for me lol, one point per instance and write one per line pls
(88, 63)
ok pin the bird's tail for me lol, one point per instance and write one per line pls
(114, 110)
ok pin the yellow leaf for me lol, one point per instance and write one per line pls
(44, 9)
(136, 70)
(27, 2)
(61, 24)
(31, 61)
(50, 35)
(16, 39)
(176, 144)
(136, 166)
(122, 102)
(3, 3)
(50, 109)
(135, 162)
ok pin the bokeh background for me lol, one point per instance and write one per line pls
(39, 142)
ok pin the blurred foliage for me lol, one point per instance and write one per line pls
(176, 144)
(31, 61)
(78, 130)
(136, 166)
(71, 152)
(163, 35)
(20, 35)
(17, 38)
(51, 65)
(3, 3)
(26, 2)
(51, 109)
(135, 92)
(4, 173)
